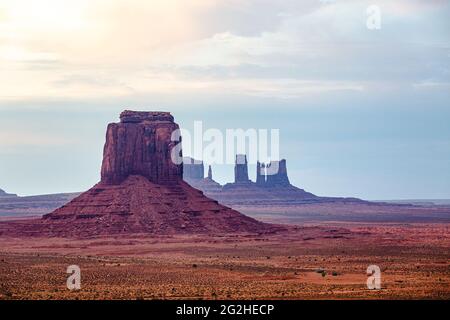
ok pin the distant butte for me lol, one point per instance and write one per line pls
(4, 194)
(272, 186)
(142, 191)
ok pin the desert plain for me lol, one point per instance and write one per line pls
(326, 260)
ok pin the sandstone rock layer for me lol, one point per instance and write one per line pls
(138, 205)
(140, 144)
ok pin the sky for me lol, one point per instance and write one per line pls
(362, 112)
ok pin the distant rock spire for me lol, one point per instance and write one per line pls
(276, 174)
(210, 173)
(241, 169)
(260, 174)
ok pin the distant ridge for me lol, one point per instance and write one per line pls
(4, 194)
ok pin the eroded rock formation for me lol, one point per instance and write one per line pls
(193, 175)
(193, 169)
(272, 186)
(142, 191)
(260, 174)
(241, 169)
(276, 174)
(140, 145)
(210, 173)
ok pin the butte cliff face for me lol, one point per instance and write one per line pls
(140, 145)
(142, 191)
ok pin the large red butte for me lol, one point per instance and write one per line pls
(142, 191)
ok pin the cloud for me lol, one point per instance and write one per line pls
(431, 84)
(94, 49)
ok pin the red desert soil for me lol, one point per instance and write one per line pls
(414, 260)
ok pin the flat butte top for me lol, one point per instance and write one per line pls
(129, 116)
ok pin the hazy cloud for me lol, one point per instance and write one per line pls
(99, 48)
